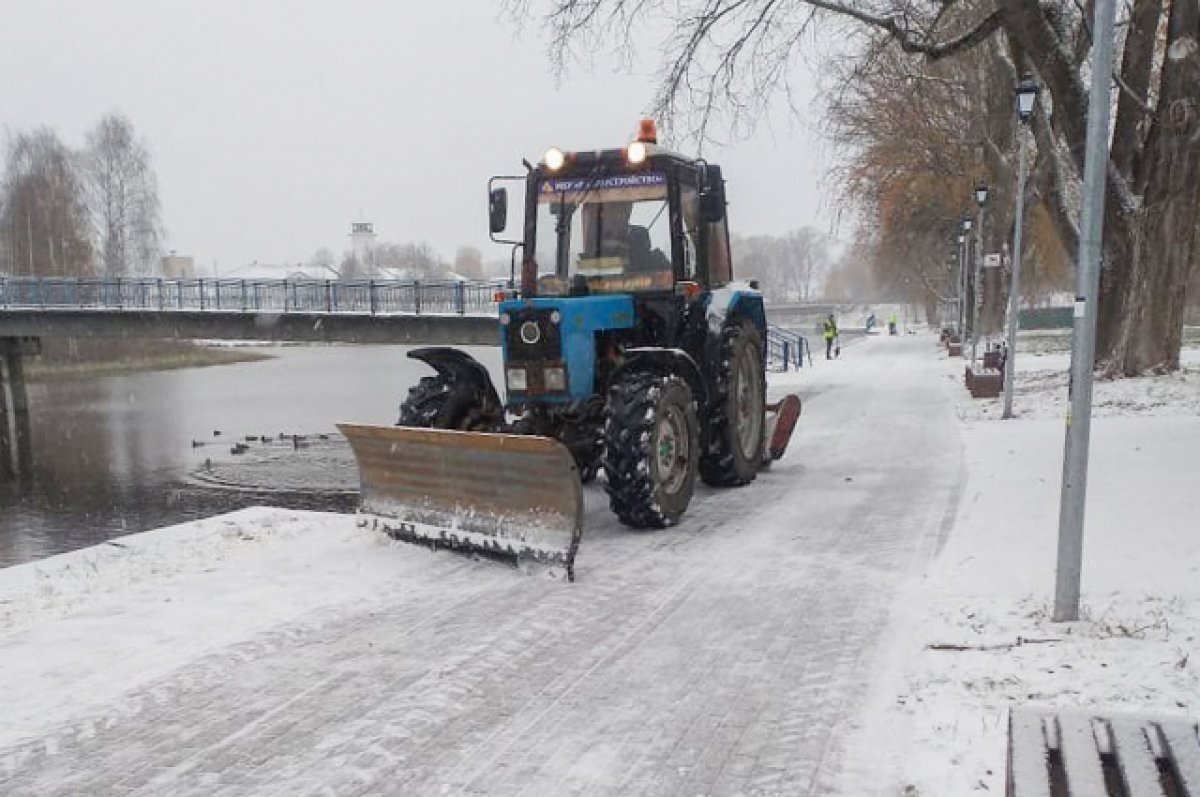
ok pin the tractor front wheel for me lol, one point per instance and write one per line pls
(651, 449)
(436, 402)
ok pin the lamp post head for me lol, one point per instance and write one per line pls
(966, 223)
(962, 238)
(981, 194)
(1026, 92)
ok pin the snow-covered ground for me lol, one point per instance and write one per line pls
(856, 622)
(975, 636)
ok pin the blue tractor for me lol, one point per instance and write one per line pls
(628, 350)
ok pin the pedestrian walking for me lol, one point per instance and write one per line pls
(892, 324)
(830, 331)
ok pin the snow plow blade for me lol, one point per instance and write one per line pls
(497, 494)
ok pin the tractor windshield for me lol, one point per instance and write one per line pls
(613, 231)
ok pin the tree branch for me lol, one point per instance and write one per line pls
(904, 37)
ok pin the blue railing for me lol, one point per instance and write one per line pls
(786, 349)
(373, 297)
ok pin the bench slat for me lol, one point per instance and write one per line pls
(1134, 757)
(1081, 759)
(1183, 749)
(1028, 771)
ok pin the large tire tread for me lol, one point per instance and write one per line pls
(434, 403)
(723, 464)
(631, 418)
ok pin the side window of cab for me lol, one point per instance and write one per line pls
(689, 200)
(719, 271)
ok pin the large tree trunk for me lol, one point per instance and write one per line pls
(1161, 244)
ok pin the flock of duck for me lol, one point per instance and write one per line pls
(242, 446)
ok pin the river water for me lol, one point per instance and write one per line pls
(120, 454)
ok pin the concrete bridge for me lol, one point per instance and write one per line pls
(346, 311)
(410, 312)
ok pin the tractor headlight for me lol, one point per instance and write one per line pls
(530, 333)
(556, 378)
(505, 319)
(554, 159)
(555, 317)
(516, 379)
(636, 153)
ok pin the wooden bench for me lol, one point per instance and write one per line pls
(984, 382)
(1078, 754)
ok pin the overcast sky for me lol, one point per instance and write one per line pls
(274, 125)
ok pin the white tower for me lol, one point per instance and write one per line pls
(362, 244)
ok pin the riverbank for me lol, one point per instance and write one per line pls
(71, 358)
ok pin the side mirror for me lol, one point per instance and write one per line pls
(498, 210)
(712, 196)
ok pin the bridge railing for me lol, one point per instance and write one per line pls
(786, 349)
(252, 295)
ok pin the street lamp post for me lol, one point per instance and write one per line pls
(968, 285)
(1026, 95)
(961, 289)
(981, 194)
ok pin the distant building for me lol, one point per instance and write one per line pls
(179, 266)
(362, 244)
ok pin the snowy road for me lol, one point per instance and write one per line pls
(729, 655)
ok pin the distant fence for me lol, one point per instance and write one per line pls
(1047, 318)
(252, 295)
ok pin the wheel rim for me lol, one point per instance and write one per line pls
(749, 408)
(671, 449)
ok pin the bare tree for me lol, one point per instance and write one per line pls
(787, 266)
(468, 262)
(122, 195)
(42, 212)
(321, 264)
(410, 261)
(726, 60)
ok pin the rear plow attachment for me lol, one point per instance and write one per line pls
(781, 422)
(515, 496)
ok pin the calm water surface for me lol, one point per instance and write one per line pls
(115, 455)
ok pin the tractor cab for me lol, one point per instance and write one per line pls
(632, 220)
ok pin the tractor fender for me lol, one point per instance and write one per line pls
(727, 305)
(461, 369)
(736, 300)
(675, 362)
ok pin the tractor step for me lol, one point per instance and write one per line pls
(516, 496)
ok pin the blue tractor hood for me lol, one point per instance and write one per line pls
(579, 319)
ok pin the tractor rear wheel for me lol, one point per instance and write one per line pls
(735, 431)
(651, 448)
(436, 402)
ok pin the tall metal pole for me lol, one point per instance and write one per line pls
(977, 298)
(1083, 345)
(1014, 289)
(962, 289)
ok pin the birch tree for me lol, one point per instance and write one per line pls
(122, 196)
(43, 217)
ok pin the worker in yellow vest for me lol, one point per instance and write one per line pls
(831, 332)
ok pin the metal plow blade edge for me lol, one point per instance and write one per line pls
(512, 495)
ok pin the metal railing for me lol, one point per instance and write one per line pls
(370, 297)
(786, 349)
